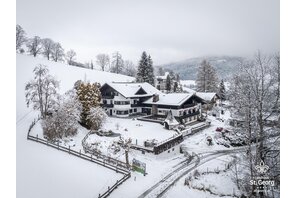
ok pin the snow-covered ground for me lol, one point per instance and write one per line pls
(220, 183)
(46, 172)
(138, 130)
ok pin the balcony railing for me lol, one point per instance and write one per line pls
(108, 105)
(189, 115)
(189, 105)
(107, 97)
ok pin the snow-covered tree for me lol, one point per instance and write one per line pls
(129, 68)
(58, 52)
(168, 84)
(34, 46)
(254, 96)
(42, 90)
(126, 144)
(103, 61)
(117, 64)
(89, 95)
(96, 118)
(64, 120)
(160, 71)
(150, 71)
(70, 56)
(20, 37)
(145, 71)
(222, 90)
(47, 47)
(207, 80)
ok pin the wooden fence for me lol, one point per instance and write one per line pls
(108, 162)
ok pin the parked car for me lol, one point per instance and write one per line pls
(219, 129)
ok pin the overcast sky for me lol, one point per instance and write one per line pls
(169, 30)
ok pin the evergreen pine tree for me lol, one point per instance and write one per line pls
(142, 68)
(145, 71)
(150, 73)
(222, 91)
(207, 80)
(168, 84)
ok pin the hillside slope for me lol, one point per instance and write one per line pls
(46, 172)
(66, 74)
(225, 66)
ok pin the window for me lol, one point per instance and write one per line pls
(122, 112)
(104, 101)
(135, 110)
(121, 102)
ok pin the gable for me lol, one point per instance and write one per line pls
(140, 92)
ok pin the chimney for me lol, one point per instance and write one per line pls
(155, 97)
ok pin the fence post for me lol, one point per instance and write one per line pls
(69, 149)
(37, 137)
(58, 145)
(46, 141)
(99, 196)
(117, 184)
(91, 157)
(80, 155)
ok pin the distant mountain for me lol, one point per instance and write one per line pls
(187, 69)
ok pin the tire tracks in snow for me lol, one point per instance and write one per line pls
(169, 179)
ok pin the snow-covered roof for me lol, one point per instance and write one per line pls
(163, 77)
(188, 90)
(174, 99)
(129, 89)
(170, 119)
(207, 96)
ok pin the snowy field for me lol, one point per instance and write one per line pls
(138, 130)
(43, 171)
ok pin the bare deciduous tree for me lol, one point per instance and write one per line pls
(47, 47)
(20, 37)
(34, 45)
(129, 68)
(126, 144)
(117, 64)
(255, 97)
(42, 90)
(70, 56)
(103, 61)
(58, 52)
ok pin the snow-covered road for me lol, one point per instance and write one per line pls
(160, 188)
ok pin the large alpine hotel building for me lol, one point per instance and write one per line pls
(122, 99)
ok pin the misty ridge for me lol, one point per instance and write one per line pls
(187, 69)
